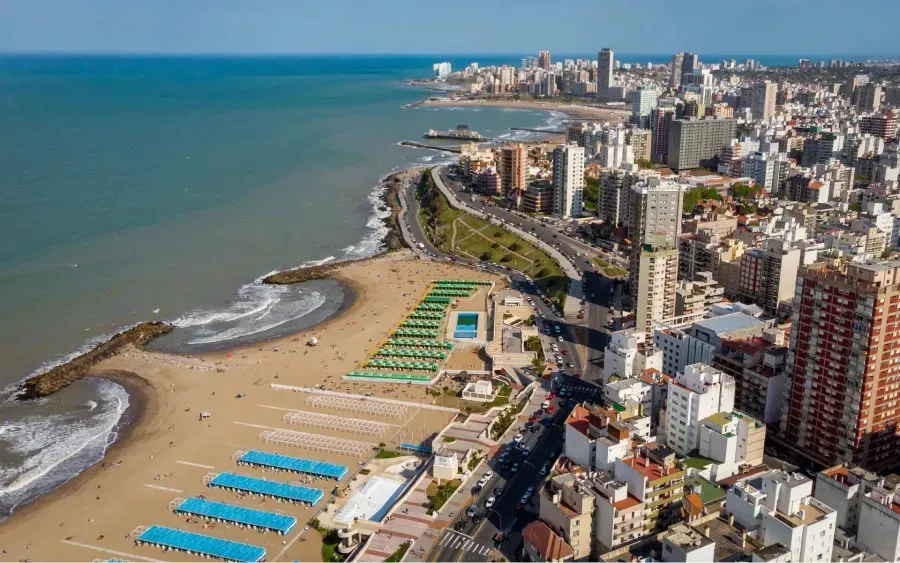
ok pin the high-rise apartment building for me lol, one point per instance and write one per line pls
(844, 379)
(605, 65)
(643, 100)
(868, 98)
(675, 76)
(513, 170)
(660, 123)
(544, 60)
(690, 63)
(641, 140)
(538, 197)
(769, 274)
(656, 279)
(656, 208)
(568, 180)
(763, 105)
(696, 393)
(655, 228)
(883, 126)
(695, 142)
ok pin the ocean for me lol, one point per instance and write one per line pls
(139, 188)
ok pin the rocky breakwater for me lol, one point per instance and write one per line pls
(65, 374)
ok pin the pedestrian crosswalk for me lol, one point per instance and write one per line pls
(456, 540)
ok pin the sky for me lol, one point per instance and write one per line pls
(799, 27)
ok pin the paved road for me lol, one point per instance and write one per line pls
(464, 540)
(600, 292)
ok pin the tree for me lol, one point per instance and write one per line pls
(507, 258)
(487, 255)
(698, 194)
(496, 245)
(591, 190)
(744, 190)
(497, 234)
(515, 247)
(644, 164)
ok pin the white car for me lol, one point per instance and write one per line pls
(559, 339)
(488, 475)
(489, 502)
(518, 438)
(545, 404)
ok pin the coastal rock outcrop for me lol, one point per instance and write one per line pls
(64, 375)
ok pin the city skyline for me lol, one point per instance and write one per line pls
(279, 27)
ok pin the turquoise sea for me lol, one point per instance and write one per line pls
(134, 189)
(139, 188)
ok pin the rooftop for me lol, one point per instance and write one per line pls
(686, 537)
(772, 552)
(728, 541)
(547, 543)
(709, 492)
(728, 323)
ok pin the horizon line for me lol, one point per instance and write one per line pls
(247, 54)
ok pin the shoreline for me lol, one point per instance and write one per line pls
(165, 450)
(143, 403)
(573, 111)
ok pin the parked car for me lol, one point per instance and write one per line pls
(489, 502)
(471, 511)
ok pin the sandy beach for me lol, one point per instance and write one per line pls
(167, 452)
(575, 111)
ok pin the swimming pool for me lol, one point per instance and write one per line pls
(371, 501)
(466, 325)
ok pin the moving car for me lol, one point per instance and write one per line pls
(489, 502)
(472, 510)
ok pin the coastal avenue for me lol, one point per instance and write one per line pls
(597, 288)
(462, 540)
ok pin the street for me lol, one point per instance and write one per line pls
(472, 538)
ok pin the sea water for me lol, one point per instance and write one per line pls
(141, 188)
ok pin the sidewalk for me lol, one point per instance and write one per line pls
(462, 498)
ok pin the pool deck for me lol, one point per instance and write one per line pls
(481, 331)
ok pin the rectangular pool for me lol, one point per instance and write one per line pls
(466, 325)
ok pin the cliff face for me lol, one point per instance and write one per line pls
(63, 375)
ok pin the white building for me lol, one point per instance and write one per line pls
(593, 441)
(866, 506)
(568, 180)
(731, 439)
(683, 543)
(879, 524)
(777, 508)
(698, 392)
(442, 70)
(627, 355)
(481, 391)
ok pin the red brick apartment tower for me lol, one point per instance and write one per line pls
(843, 394)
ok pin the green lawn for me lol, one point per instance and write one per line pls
(439, 494)
(438, 219)
(330, 541)
(398, 555)
(388, 454)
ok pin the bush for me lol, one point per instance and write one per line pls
(543, 273)
(487, 255)
(497, 234)
(495, 245)
(506, 258)
(515, 247)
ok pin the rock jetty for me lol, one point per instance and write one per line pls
(64, 375)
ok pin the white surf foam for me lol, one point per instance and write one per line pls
(373, 241)
(259, 308)
(46, 442)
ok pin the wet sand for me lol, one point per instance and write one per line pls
(167, 451)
